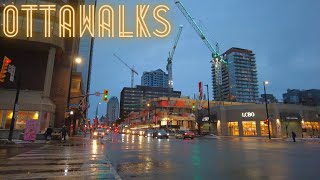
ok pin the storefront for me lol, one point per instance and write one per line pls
(31, 107)
(250, 120)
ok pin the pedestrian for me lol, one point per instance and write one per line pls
(294, 136)
(48, 133)
(64, 132)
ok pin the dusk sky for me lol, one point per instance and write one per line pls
(284, 35)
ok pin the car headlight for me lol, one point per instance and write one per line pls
(102, 133)
(159, 134)
(167, 134)
(95, 133)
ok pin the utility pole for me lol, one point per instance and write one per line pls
(15, 107)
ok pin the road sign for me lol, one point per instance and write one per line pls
(97, 94)
(12, 71)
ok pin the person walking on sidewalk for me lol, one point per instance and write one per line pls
(294, 136)
(64, 132)
(48, 133)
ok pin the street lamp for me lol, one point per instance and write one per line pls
(78, 60)
(265, 98)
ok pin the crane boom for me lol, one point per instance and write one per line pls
(197, 29)
(170, 58)
(133, 71)
(176, 40)
(131, 68)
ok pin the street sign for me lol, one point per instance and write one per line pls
(12, 71)
(97, 94)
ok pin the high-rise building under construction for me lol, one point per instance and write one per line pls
(239, 77)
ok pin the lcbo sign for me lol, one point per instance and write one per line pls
(248, 114)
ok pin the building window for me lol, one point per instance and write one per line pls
(233, 129)
(312, 127)
(21, 119)
(264, 128)
(249, 128)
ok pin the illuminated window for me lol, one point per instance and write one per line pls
(312, 126)
(249, 128)
(21, 118)
(233, 128)
(264, 128)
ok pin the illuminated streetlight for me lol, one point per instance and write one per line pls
(265, 98)
(78, 60)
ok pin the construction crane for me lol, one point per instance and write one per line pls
(217, 58)
(170, 58)
(133, 71)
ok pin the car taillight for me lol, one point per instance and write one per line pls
(185, 133)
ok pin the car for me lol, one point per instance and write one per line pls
(134, 132)
(160, 134)
(184, 134)
(99, 133)
(188, 134)
(179, 134)
(148, 133)
(141, 132)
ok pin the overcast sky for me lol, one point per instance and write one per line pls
(284, 35)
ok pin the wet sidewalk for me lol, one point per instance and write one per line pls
(76, 159)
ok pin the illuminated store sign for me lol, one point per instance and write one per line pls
(248, 114)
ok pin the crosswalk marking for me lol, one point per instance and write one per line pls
(59, 162)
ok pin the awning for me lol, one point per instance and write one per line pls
(290, 116)
(28, 101)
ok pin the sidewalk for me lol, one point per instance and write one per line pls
(78, 158)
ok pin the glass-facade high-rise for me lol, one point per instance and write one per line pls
(239, 77)
(113, 109)
(156, 78)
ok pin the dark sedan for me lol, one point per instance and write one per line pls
(160, 134)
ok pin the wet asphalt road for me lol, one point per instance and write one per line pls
(137, 157)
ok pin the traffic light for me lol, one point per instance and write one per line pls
(4, 69)
(193, 106)
(105, 95)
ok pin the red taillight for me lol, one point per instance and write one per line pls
(185, 133)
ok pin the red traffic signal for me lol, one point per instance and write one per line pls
(4, 69)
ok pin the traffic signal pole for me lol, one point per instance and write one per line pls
(14, 107)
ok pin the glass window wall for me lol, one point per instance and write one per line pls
(233, 129)
(264, 128)
(249, 128)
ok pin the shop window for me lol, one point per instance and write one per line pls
(233, 129)
(264, 128)
(249, 128)
(312, 127)
(21, 119)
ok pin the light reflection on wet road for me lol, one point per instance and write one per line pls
(137, 157)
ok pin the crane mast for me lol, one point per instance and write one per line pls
(133, 71)
(170, 58)
(217, 58)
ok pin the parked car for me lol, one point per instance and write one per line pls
(184, 134)
(148, 133)
(160, 134)
(99, 133)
